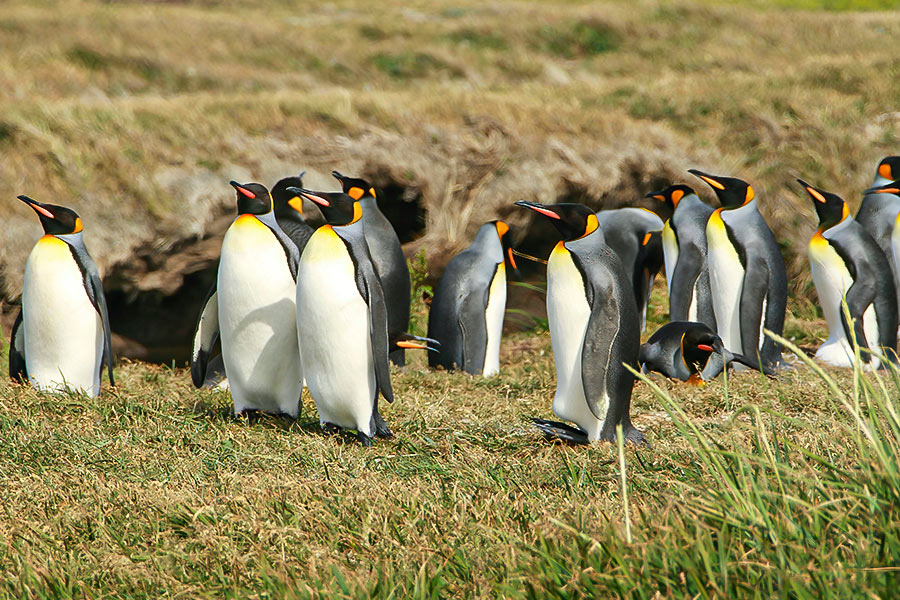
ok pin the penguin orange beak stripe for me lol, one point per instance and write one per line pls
(888, 191)
(544, 211)
(815, 194)
(317, 199)
(512, 260)
(38, 209)
(705, 347)
(242, 190)
(712, 182)
(412, 345)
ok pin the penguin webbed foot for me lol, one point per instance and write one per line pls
(364, 440)
(330, 429)
(381, 427)
(557, 431)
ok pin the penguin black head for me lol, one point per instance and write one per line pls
(287, 205)
(889, 168)
(252, 198)
(503, 234)
(732, 192)
(56, 220)
(338, 208)
(830, 208)
(888, 188)
(697, 344)
(353, 186)
(573, 221)
(671, 196)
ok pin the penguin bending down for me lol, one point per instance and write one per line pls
(251, 305)
(684, 248)
(847, 263)
(61, 337)
(746, 272)
(879, 213)
(289, 211)
(594, 329)
(689, 352)
(387, 256)
(635, 236)
(342, 320)
(469, 302)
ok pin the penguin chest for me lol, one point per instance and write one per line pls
(670, 253)
(333, 326)
(493, 315)
(568, 313)
(257, 319)
(63, 331)
(726, 281)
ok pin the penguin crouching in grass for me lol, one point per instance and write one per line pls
(469, 302)
(746, 272)
(61, 337)
(847, 263)
(690, 352)
(684, 249)
(387, 257)
(342, 321)
(251, 306)
(594, 330)
(635, 236)
(289, 211)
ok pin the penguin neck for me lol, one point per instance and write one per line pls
(369, 205)
(267, 219)
(837, 228)
(880, 181)
(743, 208)
(73, 239)
(488, 240)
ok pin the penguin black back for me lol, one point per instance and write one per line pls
(289, 211)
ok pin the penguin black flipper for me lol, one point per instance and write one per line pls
(17, 367)
(753, 294)
(556, 430)
(684, 279)
(369, 286)
(473, 325)
(94, 287)
(205, 335)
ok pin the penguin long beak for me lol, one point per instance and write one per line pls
(538, 208)
(414, 342)
(338, 176)
(242, 190)
(890, 188)
(656, 196)
(36, 206)
(309, 196)
(814, 192)
(705, 347)
(712, 181)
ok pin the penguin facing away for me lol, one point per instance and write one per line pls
(594, 329)
(387, 256)
(690, 352)
(289, 211)
(685, 249)
(61, 337)
(746, 272)
(635, 236)
(880, 210)
(847, 263)
(251, 306)
(469, 302)
(342, 321)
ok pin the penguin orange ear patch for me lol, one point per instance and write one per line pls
(677, 195)
(885, 171)
(750, 194)
(78, 226)
(502, 228)
(646, 239)
(355, 192)
(372, 191)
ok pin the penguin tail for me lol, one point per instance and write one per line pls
(766, 370)
(557, 431)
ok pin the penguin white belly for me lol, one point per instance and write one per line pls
(257, 320)
(692, 310)
(493, 315)
(670, 254)
(726, 281)
(333, 324)
(568, 313)
(832, 281)
(63, 331)
(895, 250)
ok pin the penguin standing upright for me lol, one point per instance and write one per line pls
(684, 248)
(61, 337)
(846, 263)
(251, 305)
(466, 314)
(289, 211)
(746, 272)
(879, 213)
(683, 349)
(342, 320)
(387, 255)
(635, 236)
(594, 329)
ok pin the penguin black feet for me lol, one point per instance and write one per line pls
(364, 440)
(381, 428)
(557, 431)
(330, 429)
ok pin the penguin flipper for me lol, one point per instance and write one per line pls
(17, 367)
(473, 325)
(94, 287)
(373, 294)
(684, 277)
(205, 335)
(753, 293)
(555, 430)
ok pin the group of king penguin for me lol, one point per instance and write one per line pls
(328, 308)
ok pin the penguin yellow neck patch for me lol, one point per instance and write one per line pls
(357, 212)
(502, 228)
(750, 195)
(78, 226)
(297, 204)
(591, 225)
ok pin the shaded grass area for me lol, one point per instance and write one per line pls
(155, 490)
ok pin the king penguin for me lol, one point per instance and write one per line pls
(879, 213)
(594, 330)
(847, 263)
(684, 249)
(466, 314)
(289, 211)
(387, 255)
(61, 337)
(342, 320)
(690, 352)
(635, 236)
(251, 305)
(746, 272)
